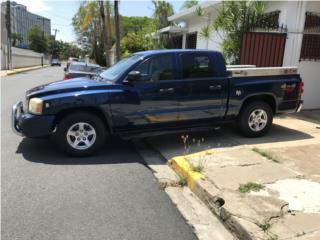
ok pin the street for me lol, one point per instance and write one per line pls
(46, 195)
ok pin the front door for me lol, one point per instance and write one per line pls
(150, 101)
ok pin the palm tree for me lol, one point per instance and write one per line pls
(162, 10)
(188, 4)
(104, 32)
(117, 28)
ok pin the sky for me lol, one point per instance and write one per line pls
(61, 12)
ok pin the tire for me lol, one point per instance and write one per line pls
(77, 127)
(249, 122)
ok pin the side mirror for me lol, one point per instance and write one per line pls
(65, 69)
(132, 76)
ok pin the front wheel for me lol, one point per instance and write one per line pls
(255, 119)
(80, 134)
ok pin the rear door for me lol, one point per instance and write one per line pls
(150, 102)
(205, 91)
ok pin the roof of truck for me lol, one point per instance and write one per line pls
(154, 52)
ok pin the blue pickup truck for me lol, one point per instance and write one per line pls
(157, 92)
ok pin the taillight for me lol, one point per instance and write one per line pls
(301, 89)
(66, 76)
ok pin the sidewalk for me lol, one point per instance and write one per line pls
(4, 73)
(266, 188)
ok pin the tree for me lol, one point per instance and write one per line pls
(162, 10)
(87, 25)
(16, 37)
(37, 42)
(235, 18)
(134, 24)
(105, 36)
(117, 29)
(188, 4)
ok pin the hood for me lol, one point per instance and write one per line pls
(75, 84)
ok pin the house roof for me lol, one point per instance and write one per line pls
(190, 11)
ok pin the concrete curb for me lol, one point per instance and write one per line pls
(16, 71)
(197, 184)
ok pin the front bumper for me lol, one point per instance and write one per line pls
(29, 125)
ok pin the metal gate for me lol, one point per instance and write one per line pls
(263, 49)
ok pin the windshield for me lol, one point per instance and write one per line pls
(115, 71)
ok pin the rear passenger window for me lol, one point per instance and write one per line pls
(196, 66)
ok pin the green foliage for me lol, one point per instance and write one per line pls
(63, 50)
(87, 27)
(205, 32)
(38, 42)
(134, 24)
(16, 37)
(162, 10)
(235, 18)
(265, 154)
(135, 42)
(250, 186)
(188, 4)
(183, 181)
(197, 168)
(199, 12)
(265, 226)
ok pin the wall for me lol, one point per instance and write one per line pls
(293, 15)
(195, 24)
(22, 58)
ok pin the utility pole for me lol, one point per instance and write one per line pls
(42, 36)
(8, 25)
(54, 40)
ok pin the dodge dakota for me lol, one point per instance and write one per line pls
(157, 92)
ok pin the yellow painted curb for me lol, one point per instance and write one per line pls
(23, 70)
(183, 168)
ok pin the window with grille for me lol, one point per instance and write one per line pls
(268, 20)
(310, 49)
(191, 41)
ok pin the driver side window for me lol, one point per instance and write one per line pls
(157, 68)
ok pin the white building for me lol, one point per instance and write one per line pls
(297, 52)
(22, 20)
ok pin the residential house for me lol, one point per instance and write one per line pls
(296, 44)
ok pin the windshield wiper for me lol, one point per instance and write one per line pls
(98, 78)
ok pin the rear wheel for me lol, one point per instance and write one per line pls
(255, 119)
(80, 134)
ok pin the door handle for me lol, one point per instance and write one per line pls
(215, 87)
(166, 90)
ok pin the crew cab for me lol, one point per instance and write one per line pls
(157, 92)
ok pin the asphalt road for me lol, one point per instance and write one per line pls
(46, 195)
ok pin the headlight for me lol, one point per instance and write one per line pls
(35, 106)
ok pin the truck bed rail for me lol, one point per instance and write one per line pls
(261, 71)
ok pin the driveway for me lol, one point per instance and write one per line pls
(46, 195)
(287, 131)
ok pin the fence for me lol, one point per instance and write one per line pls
(22, 58)
(263, 49)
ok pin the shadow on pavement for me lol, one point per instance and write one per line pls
(228, 136)
(123, 151)
(45, 151)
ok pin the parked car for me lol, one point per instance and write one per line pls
(157, 92)
(55, 62)
(80, 69)
(72, 59)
